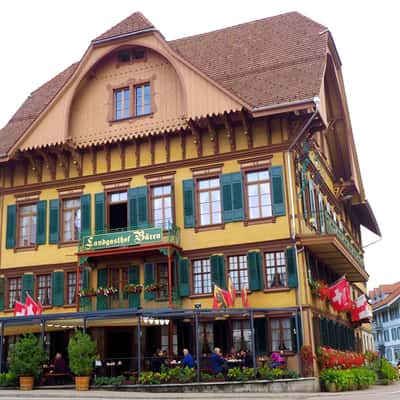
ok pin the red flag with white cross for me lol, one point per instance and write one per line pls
(360, 309)
(339, 295)
(19, 309)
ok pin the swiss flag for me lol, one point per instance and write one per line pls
(339, 295)
(360, 309)
(31, 306)
(19, 309)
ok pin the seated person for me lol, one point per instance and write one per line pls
(59, 364)
(98, 366)
(217, 362)
(247, 359)
(187, 359)
(277, 360)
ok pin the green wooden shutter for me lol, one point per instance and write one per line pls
(102, 281)
(304, 184)
(296, 332)
(134, 278)
(54, 231)
(260, 335)
(138, 209)
(184, 287)
(58, 288)
(278, 191)
(293, 281)
(218, 270)
(232, 197)
(41, 222)
(84, 302)
(27, 286)
(254, 265)
(2, 292)
(149, 278)
(312, 203)
(11, 226)
(99, 212)
(188, 203)
(85, 215)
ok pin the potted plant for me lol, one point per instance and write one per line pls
(82, 353)
(26, 360)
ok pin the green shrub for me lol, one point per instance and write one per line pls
(289, 374)
(220, 375)
(81, 352)
(204, 377)
(27, 356)
(146, 378)
(248, 373)
(235, 374)
(348, 379)
(8, 379)
(387, 371)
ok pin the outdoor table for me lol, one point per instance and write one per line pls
(232, 363)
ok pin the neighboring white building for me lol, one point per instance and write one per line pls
(386, 320)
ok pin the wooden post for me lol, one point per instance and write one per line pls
(170, 304)
(77, 285)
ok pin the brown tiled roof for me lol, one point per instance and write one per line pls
(394, 292)
(31, 109)
(134, 23)
(265, 62)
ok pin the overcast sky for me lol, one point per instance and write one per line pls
(40, 38)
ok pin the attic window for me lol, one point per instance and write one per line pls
(131, 55)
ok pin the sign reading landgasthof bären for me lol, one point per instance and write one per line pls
(122, 239)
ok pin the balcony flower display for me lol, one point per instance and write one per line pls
(153, 287)
(133, 288)
(87, 293)
(320, 289)
(107, 291)
(331, 358)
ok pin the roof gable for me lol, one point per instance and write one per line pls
(136, 22)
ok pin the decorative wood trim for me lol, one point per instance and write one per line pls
(162, 176)
(167, 147)
(137, 152)
(196, 137)
(63, 161)
(116, 184)
(213, 135)
(256, 161)
(230, 133)
(247, 129)
(152, 149)
(207, 170)
(36, 165)
(107, 153)
(150, 168)
(268, 132)
(93, 159)
(183, 145)
(49, 162)
(70, 189)
(27, 197)
(12, 173)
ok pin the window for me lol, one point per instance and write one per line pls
(394, 334)
(276, 270)
(237, 267)
(398, 333)
(44, 289)
(71, 219)
(117, 210)
(209, 201)
(206, 337)
(281, 334)
(259, 201)
(241, 335)
(162, 280)
(122, 103)
(386, 336)
(161, 202)
(202, 276)
(71, 286)
(14, 291)
(142, 99)
(119, 278)
(27, 225)
(389, 354)
(131, 55)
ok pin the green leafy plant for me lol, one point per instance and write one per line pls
(387, 371)
(220, 375)
(235, 374)
(27, 356)
(289, 374)
(205, 377)
(248, 373)
(348, 379)
(82, 353)
(116, 380)
(8, 379)
(265, 373)
(146, 378)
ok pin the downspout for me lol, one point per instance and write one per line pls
(316, 101)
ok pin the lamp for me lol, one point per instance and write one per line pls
(197, 305)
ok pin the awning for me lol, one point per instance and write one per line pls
(366, 217)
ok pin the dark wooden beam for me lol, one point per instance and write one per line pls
(93, 159)
(196, 137)
(230, 133)
(213, 135)
(122, 153)
(167, 147)
(49, 162)
(247, 129)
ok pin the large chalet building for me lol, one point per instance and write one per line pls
(152, 170)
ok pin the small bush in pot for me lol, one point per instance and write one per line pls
(81, 353)
(26, 360)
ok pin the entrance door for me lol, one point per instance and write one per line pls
(59, 344)
(119, 346)
(185, 337)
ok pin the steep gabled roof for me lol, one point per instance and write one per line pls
(136, 22)
(31, 109)
(266, 62)
(393, 293)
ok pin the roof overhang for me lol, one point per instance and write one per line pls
(331, 251)
(367, 217)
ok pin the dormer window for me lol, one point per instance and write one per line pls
(131, 55)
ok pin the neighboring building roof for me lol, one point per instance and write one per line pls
(392, 292)
(265, 62)
(136, 22)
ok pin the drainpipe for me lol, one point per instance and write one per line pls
(292, 196)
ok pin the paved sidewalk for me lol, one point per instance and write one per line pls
(391, 392)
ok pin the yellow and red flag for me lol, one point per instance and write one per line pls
(231, 291)
(245, 298)
(220, 298)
